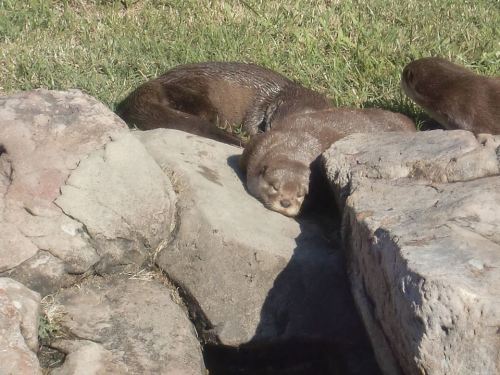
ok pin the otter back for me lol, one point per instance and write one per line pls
(332, 124)
(217, 95)
(454, 96)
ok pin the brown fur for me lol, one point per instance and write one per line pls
(454, 96)
(278, 163)
(202, 98)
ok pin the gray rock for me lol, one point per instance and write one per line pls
(255, 275)
(46, 134)
(87, 358)
(135, 324)
(43, 272)
(422, 225)
(437, 156)
(490, 141)
(123, 199)
(19, 309)
(77, 191)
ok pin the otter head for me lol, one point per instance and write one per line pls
(281, 186)
(426, 80)
(418, 79)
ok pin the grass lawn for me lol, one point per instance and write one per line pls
(353, 51)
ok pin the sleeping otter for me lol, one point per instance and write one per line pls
(202, 98)
(454, 96)
(278, 164)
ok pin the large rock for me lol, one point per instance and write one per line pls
(251, 274)
(437, 156)
(55, 141)
(19, 308)
(422, 226)
(126, 326)
(123, 199)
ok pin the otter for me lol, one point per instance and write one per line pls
(454, 96)
(202, 98)
(280, 164)
(346, 121)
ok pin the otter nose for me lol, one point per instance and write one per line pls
(285, 203)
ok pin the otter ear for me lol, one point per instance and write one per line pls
(408, 75)
(263, 170)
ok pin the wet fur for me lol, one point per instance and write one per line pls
(454, 96)
(205, 97)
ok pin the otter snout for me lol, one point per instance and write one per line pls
(285, 203)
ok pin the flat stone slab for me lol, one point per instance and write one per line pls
(252, 275)
(78, 193)
(437, 156)
(19, 309)
(126, 326)
(422, 226)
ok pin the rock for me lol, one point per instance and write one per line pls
(123, 199)
(127, 325)
(436, 156)
(490, 141)
(68, 203)
(19, 309)
(89, 358)
(251, 275)
(43, 272)
(422, 227)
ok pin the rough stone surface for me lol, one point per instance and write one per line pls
(126, 326)
(422, 225)
(124, 200)
(87, 358)
(19, 309)
(255, 274)
(436, 156)
(55, 141)
(46, 134)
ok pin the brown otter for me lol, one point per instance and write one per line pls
(454, 96)
(201, 98)
(278, 163)
(278, 166)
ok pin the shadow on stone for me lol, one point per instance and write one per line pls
(286, 357)
(233, 162)
(308, 322)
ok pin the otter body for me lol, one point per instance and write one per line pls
(203, 98)
(345, 121)
(278, 163)
(454, 96)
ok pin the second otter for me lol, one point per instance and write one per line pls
(454, 96)
(278, 163)
(202, 98)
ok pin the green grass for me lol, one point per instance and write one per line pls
(353, 51)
